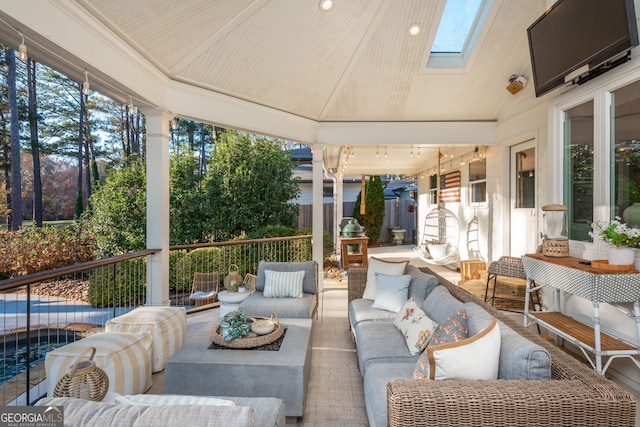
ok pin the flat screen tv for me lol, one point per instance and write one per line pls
(574, 37)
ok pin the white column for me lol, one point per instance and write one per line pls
(158, 205)
(338, 203)
(317, 214)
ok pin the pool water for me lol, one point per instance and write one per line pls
(13, 360)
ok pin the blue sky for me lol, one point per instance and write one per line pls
(457, 20)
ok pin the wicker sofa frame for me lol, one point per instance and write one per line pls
(575, 396)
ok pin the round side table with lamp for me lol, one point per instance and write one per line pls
(230, 301)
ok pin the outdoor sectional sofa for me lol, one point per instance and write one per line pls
(538, 383)
(305, 306)
(171, 411)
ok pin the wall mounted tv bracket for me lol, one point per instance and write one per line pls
(583, 74)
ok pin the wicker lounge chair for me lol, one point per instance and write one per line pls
(205, 287)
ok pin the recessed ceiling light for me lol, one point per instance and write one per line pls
(415, 29)
(326, 4)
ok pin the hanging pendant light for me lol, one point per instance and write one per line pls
(86, 86)
(22, 50)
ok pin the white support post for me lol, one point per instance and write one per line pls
(338, 202)
(158, 205)
(318, 205)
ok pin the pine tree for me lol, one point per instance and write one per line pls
(373, 217)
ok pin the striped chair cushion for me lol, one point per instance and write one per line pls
(125, 358)
(283, 284)
(167, 326)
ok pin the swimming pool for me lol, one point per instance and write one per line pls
(13, 361)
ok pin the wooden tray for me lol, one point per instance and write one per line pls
(603, 264)
(250, 341)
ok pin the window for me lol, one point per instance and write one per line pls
(327, 190)
(578, 170)
(478, 182)
(459, 28)
(433, 189)
(526, 174)
(625, 152)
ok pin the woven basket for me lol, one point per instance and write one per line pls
(84, 380)
(555, 248)
(248, 342)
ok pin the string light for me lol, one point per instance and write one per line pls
(418, 151)
(411, 155)
(131, 107)
(377, 152)
(86, 85)
(22, 49)
(385, 151)
(461, 161)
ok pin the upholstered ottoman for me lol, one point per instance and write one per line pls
(125, 358)
(167, 326)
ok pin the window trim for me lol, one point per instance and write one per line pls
(599, 91)
(478, 181)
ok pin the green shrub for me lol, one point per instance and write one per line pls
(120, 285)
(177, 280)
(373, 218)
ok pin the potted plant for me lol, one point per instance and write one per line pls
(620, 236)
(234, 325)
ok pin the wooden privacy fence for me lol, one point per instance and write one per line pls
(396, 214)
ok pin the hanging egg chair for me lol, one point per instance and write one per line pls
(441, 234)
(440, 239)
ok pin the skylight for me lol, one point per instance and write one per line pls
(458, 30)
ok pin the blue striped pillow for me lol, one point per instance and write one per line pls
(283, 284)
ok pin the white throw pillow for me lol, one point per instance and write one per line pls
(392, 292)
(415, 325)
(473, 358)
(283, 284)
(396, 268)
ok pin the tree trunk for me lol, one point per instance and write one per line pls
(16, 179)
(35, 143)
(79, 197)
(137, 133)
(203, 160)
(87, 154)
(127, 125)
(6, 159)
(123, 141)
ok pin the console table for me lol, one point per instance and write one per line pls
(577, 277)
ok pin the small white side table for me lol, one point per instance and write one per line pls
(230, 301)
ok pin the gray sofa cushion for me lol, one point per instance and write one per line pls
(380, 342)
(268, 411)
(519, 357)
(421, 284)
(440, 304)
(310, 268)
(258, 305)
(375, 389)
(360, 310)
(82, 413)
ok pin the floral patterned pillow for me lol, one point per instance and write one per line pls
(454, 329)
(415, 325)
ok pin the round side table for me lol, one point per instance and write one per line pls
(230, 301)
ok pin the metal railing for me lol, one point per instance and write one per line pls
(46, 310)
(220, 257)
